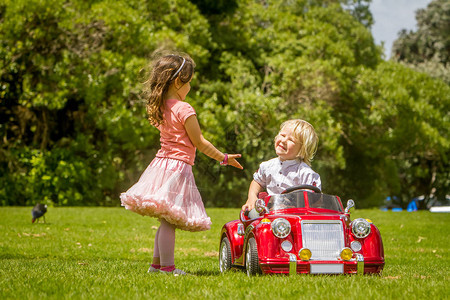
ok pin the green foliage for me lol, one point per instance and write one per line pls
(428, 48)
(73, 121)
(104, 253)
(400, 140)
(295, 64)
(215, 7)
(360, 10)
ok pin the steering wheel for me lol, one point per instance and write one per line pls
(315, 189)
(244, 216)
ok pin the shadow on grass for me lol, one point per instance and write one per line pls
(205, 273)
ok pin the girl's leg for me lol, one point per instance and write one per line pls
(156, 261)
(166, 244)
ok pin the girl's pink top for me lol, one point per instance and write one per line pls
(175, 142)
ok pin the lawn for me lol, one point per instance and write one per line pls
(104, 253)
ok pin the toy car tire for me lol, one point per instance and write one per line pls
(225, 255)
(251, 258)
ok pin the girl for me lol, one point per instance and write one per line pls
(166, 190)
(295, 145)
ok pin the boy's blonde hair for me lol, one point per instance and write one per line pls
(304, 134)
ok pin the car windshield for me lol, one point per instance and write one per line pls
(324, 201)
(284, 201)
(297, 200)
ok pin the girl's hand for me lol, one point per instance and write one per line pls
(233, 162)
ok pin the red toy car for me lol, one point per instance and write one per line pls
(301, 231)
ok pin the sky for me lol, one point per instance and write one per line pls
(391, 16)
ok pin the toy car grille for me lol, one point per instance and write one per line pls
(324, 238)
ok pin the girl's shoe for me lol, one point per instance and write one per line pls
(175, 272)
(152, 270)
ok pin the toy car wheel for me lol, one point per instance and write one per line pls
(225, 255)
(251, 258)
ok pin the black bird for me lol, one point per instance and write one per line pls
(38, 211)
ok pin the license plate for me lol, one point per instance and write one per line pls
(326, 268)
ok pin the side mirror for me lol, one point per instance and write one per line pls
(260, 206)
(350, 204)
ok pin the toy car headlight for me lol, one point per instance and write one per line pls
(281, 228)
(286, 246)
(304, 254)
(360, 228)
(346, 254)
(356, 246)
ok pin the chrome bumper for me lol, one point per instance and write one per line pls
(293, 264)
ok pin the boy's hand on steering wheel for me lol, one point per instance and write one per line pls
(247, 207)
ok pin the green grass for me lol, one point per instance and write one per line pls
(103, 253)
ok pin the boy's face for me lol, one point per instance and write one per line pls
(286, 146)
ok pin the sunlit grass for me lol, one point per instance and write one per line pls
(102, 253)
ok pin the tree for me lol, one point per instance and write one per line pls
(428, 48)
(400, 140)
(281, 60)
(73, 121)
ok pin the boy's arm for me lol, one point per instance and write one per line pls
(253, 191)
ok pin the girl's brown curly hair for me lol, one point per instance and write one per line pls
(163, 72)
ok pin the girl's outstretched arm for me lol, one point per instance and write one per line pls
(203, 145)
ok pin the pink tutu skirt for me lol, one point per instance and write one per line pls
(167, 190)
